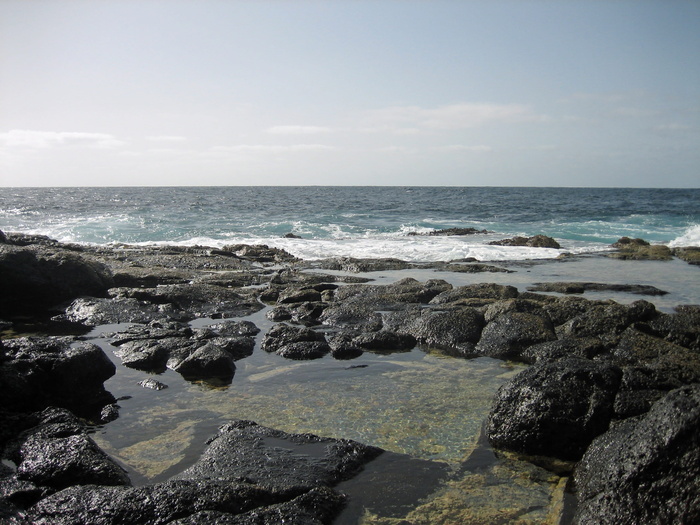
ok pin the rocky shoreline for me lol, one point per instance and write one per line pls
(610, 401)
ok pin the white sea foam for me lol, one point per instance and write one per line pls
(691, 237)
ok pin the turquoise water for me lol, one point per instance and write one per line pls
(355, 221)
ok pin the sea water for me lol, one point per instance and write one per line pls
(358, 221)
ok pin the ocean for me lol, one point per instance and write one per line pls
(358, 221)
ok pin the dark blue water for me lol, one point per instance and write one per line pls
(585, 218)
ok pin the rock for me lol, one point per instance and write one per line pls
(542, 412)
(537, 241)
(245, 450)
(232, 328)
(147, 355)
(457, 330)
(639, 249)
(607, 321)
(353, 265)
(690, 254)
(38, 372)
(58, 453)
(569, 288)
(493, 310)
(681, 328)
(384, 341)
(109, 413)
(34, 278)
(476, 291)
(511, 333)
(583, 347)
(298, 295)
(291, 235)
(343, 346)
(295, 342)
(206, 362)
(3, 237)
(155, 504)
(261, 253)
(645, 470)
(153, 384)
(94, 312)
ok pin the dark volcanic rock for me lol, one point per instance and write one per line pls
(537, 241)
(34, 278)
(639, 249)
(206, 362)
(453, 232)
(37, 372)
(581, 287)
(458, 329)
(543, 411)
(385, 341)
(584, 347)
(511, 333)
(295, 342)
(245, 450)
(58, 453)
(94, 312)
(476, 291)
(645, 470)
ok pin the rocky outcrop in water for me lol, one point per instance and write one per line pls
(537, 241)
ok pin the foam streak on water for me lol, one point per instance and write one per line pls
(357, 221)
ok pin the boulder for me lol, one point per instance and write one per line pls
(647, 469)
(458, 329)
(509, 334)
(584, 347)
(35, 278)
(384, 341)
(581, 287)
(295, 342)
(38, 372)
(639, 249)
(537, 241)
(58, 453)
(542, 412)
(476, 291)
(206, 362)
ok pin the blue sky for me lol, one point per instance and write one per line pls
(393, 92)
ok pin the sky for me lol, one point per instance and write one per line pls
(350, 92)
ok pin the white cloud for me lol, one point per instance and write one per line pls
(450, 117)
(24, 138)
(298, 130)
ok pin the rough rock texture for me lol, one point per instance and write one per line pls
(509, 334)
(542, 411)
(645, 470)
(34, 278)
(537, 241)
(295, 342)
(457, 330)
(581, 287)
(37, 372)
(58, 453)
(639, 249)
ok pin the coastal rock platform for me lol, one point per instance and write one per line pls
(607, 392)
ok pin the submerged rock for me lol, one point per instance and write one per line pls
(645, 470)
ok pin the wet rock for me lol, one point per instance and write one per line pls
(356, 314)
(153, 384)
(511, 333)
(316, 507)
(537, 241)
(645, 470)
(154, 505)
(639, 249)
(607, 321)
(295, 342)
(37, 372)
(690, 254)
(476, 291)
(353, 265)
(458, 329)
(244, 450)
(583, 347)
(206, 362)
(261, 253)
(232, 328)
(542, 412)
(639, 349)
(385, 341)
(34, 278)
(581, 287)
(298, 295)
(109, 413)
(681, 328)
(528, 306)
(563, 309)
(58, 453)
(147, 355)
(197, 300)
(94, 312)
(343, 346)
